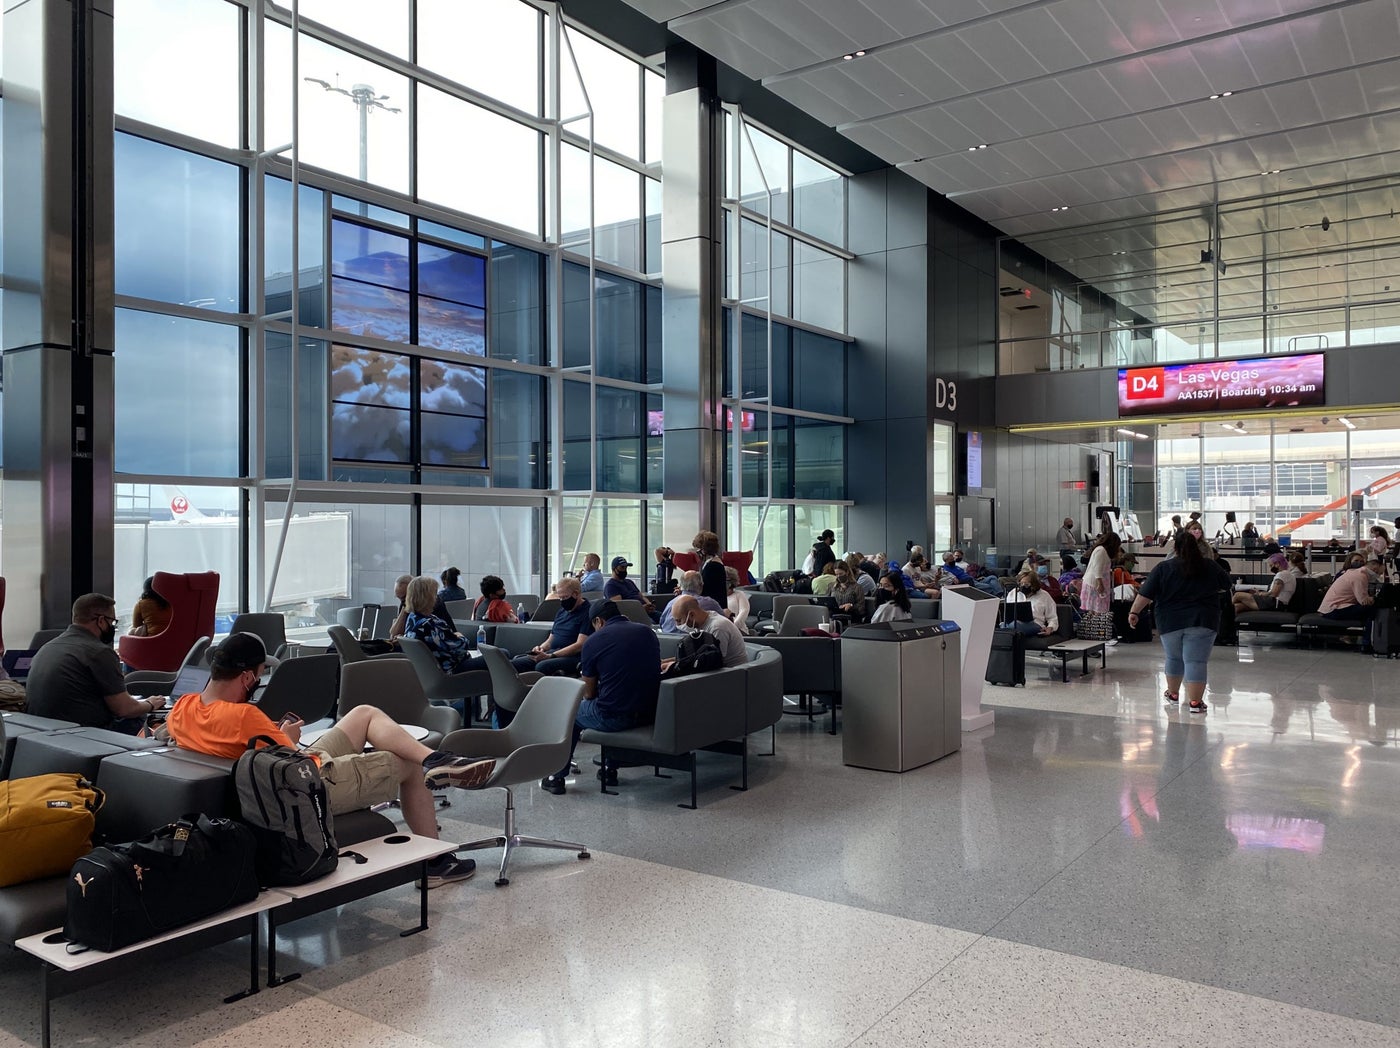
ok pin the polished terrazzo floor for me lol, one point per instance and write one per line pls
(1094, 869)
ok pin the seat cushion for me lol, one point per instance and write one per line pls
(1318, 623)
(147, 789)
(1270, 620)
(353, 827)
(642, 738)
(26, 909)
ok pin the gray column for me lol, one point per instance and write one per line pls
(691, 226)
(58, 331)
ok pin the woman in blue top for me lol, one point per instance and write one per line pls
(450, 589)
(447, 645)
(1185, 594)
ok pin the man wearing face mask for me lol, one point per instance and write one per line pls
(78, 677)
(620, 587)
(558, 654)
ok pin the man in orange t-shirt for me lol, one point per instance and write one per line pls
(221, 721)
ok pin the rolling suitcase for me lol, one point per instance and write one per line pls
(1385, 633)
(1006, 664)
(1227, 636)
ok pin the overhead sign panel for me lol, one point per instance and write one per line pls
(1222, 385)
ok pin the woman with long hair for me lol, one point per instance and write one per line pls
(714, 582)
(894, 599)
(152, 612)
(450, 588)
(1185, 596)
(1096, 590)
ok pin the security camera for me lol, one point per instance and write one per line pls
(1325, 420)
(1326, 223)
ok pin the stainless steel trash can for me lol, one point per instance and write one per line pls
(901, 694)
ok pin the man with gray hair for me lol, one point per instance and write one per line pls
(691, 585)
(558, 653)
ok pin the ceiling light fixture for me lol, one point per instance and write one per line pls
(1272, 171)
(1346, 422)
(853, 55)
(1221, 94)
(1133, 433)
(973, 149)
(1062, 207)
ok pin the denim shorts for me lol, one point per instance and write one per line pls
(1188, 651)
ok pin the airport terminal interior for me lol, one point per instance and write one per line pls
(315, 294)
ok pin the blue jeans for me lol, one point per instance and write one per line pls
(589, 717)
(1188, 651)
(554, 666)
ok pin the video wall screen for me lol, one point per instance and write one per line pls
(1222, 385)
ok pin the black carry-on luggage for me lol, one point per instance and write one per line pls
(1227, 636)
(1385, 633)
(1006, 662)
(1123, 630)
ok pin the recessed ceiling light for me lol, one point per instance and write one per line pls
(1221, 94)
(852, 55)
(1274, 171)
(860, 54)
(1062, 207)
(973, 149)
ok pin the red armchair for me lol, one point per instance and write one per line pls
(686, 561)
(192, 598)
(740, 562)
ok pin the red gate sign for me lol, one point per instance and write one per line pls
(1145, 383)
(1253, 384)
(179, 505)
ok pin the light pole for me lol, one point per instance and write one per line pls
(365, 99)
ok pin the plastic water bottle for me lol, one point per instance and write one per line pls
(520, 612)
(480, 636)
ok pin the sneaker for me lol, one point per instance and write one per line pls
(465, 772)
(552, 784)
(607, 776)
(449, 868)
(1173, 699)
(1197, 706)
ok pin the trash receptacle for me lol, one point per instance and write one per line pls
(901, 694)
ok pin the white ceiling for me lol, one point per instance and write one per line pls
(1103, 108)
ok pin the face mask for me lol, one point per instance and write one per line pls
(109, 635)
(882, 595)
(620, 573)
(248, 692)
(567, 603)
(1043, 570)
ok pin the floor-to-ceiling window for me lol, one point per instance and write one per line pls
(784, 347)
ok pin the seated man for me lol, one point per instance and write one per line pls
(621, 668)
(78, 677)
(951, 567)
(401, 595)
(591, 579)
(1349, 599)
(691, 615)
(220, 721)
(558, 654)
(620, 587)
(691, 583)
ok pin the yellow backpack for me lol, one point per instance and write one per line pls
(46, 825)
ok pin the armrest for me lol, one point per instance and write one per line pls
(701, 709)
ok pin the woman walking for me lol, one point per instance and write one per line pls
(1185, 594)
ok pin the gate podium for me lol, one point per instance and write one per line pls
(975, 613)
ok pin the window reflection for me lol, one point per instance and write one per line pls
(177, 396)
(177, 219)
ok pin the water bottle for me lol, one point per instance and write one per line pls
(520, 612)
(480, 636)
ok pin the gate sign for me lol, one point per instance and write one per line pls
(179, 505)
(1222, 385)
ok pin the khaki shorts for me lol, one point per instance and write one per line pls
(355, 778)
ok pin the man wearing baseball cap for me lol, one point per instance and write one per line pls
(621, 670)
(620, 587)
(221, 721)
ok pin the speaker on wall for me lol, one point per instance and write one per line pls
(1093, 478)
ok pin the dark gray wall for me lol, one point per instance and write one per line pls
(1033, 492)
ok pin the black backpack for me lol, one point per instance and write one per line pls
(775, 582)
(284, 801)
(699, 653)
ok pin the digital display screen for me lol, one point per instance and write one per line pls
(1222, 385)
(974, 460)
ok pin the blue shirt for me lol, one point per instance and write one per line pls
(569, 625)
(624, 588)
(956, 572)
(591, 581)
(668, 622)
(625, 658)
(448, 648)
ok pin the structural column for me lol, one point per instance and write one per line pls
(692, 266)
(59, 318)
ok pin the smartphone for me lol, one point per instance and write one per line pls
(288, 719)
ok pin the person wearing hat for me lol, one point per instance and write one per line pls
(822, 554)
(621, 670)
(620, 587)
(221, 721)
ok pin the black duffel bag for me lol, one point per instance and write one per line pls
(181, 873)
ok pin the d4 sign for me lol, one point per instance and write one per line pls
(1146, 383)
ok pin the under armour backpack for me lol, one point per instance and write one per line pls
(698, 653)
(283, 799)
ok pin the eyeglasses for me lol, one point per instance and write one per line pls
(105, 619)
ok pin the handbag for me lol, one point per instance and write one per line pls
(181, 873)
(45, 824)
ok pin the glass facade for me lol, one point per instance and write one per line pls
(400, 329)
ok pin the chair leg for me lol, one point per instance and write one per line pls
(510, 840)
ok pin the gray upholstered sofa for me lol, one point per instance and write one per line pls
(146, 785)
(714, 711)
